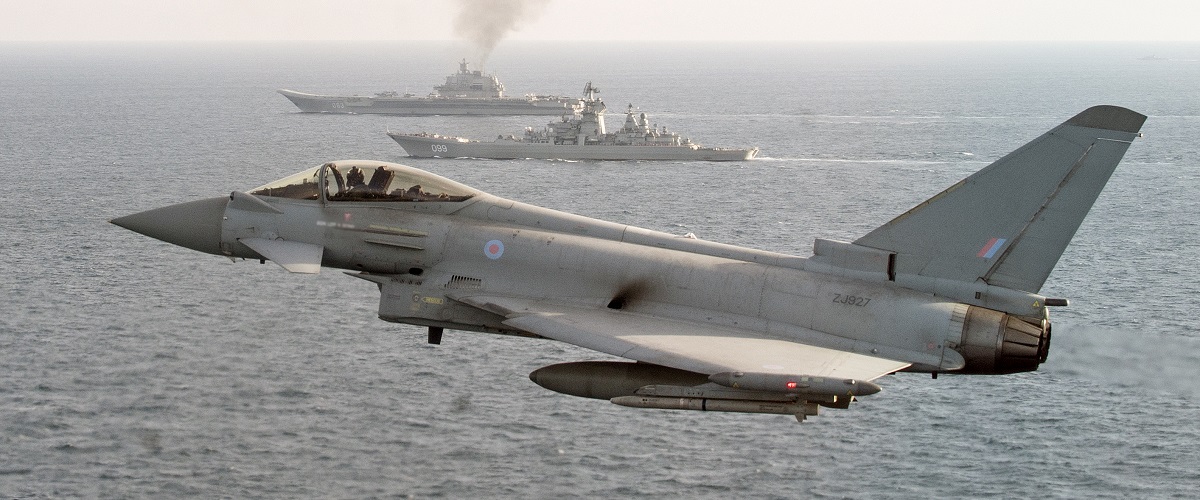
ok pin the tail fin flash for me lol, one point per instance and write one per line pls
(1008, 224)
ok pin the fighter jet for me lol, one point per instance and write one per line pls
(951, 286)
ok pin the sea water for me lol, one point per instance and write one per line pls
(133, 368)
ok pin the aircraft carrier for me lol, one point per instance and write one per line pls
(580, 135)
(468, 92)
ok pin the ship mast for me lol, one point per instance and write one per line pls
(591, 123)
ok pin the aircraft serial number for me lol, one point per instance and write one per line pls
(851, 300)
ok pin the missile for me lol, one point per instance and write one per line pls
(795, 384)
(799, 409)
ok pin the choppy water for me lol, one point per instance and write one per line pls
(132, 368)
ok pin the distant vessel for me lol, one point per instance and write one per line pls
(577, 136)
(464, 93)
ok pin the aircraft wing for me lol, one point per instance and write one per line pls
(686, 345)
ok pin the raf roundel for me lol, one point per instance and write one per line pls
(493, 249)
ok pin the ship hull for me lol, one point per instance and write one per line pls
(427, 106)
(444, 147)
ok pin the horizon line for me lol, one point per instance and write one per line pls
(538, 40)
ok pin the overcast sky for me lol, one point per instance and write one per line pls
(723, 20)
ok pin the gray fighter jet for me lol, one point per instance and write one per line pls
(949, 286)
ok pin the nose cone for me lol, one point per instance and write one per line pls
(195, 225)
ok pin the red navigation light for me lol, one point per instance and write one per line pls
(791, 385)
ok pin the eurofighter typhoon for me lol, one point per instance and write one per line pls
(950, 286)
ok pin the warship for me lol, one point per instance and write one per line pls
(468, 92)
(579, 135)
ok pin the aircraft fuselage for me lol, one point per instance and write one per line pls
(423, 258)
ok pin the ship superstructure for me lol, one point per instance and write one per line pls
(470, 83)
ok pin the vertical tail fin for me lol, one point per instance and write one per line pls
(1008, 223)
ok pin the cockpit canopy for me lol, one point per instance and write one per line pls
(361, 180)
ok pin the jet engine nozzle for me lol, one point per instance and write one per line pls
(997, 343)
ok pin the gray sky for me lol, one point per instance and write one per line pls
(723, 20)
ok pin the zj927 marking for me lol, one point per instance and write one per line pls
(851, 300)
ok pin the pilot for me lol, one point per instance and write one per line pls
(414, 193)
(354, 178)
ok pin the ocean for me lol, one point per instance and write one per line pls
(131, 368)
